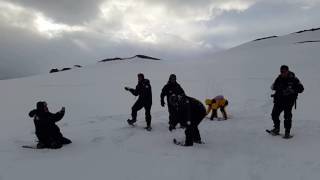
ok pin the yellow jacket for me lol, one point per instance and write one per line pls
(220, 101)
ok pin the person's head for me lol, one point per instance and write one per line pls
(172, 78)
(208, 101)
(284, 70)
(140, 77)
(42, 106)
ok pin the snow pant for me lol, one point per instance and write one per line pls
(215, 115)
(192, 134)
(174, 117)
(286, 107)
(53, 142)
(138, 105)
(64, 140)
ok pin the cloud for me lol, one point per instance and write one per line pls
(42, 34)
(265, 18)
(63, 11)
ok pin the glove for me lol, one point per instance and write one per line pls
(127, 88)
(63, 109)
(162, 103)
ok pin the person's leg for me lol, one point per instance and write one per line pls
(288, 117)
(224, 114)
(276, 111)
(135, 108)
(213, 114)
(189, 136)
(54, 143)
(148, 115)
(172, 115)
(196, 135)
(65, 140)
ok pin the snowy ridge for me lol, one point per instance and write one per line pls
(105, 147)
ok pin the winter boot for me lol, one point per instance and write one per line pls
(224, 115)
(198, 142)
(131, 121)
(275, 131)
(41, 145)
(148, 128)
(287, 134)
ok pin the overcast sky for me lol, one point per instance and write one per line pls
(37, 35)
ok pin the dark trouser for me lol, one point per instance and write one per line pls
(174, 117)
(286, 107)
(64, 140)
(214, 113)
(54, 140)
(138, 106)
(192, 134)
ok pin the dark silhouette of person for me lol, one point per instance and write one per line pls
(171, 88)
(144, 91)
(47, 132)
(286, 87)
(191, 112)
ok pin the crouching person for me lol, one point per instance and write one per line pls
(47, 132)
(219, 102)
(190, 112)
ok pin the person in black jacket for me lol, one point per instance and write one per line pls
(286, 87)
(47, 132)
(172, 87)
(191, 112)
(143, 90)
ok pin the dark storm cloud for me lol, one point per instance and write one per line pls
(37, 35)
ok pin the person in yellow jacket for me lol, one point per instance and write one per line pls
(219, 102)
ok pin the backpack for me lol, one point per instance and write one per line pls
(299, 88)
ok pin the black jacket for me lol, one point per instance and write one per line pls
(190, 110)
(287, 88)
(46, 129)
(144, 91)
(171, 88)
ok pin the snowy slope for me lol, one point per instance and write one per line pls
(105, 147)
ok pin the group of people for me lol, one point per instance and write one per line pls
(184, 110)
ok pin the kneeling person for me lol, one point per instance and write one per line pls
(47, 132)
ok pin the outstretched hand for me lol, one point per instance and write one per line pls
(163, 103)
(127, 88)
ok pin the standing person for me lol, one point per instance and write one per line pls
(190, 111)
(286, 87)
(143, 90)
(219, 102)
(172, 87)
(47, 132)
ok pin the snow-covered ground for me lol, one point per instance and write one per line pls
(105, 147)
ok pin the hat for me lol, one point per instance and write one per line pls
(41, 105)
(141, 75)
(172, 77)
(284, 68)
(208, 101)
